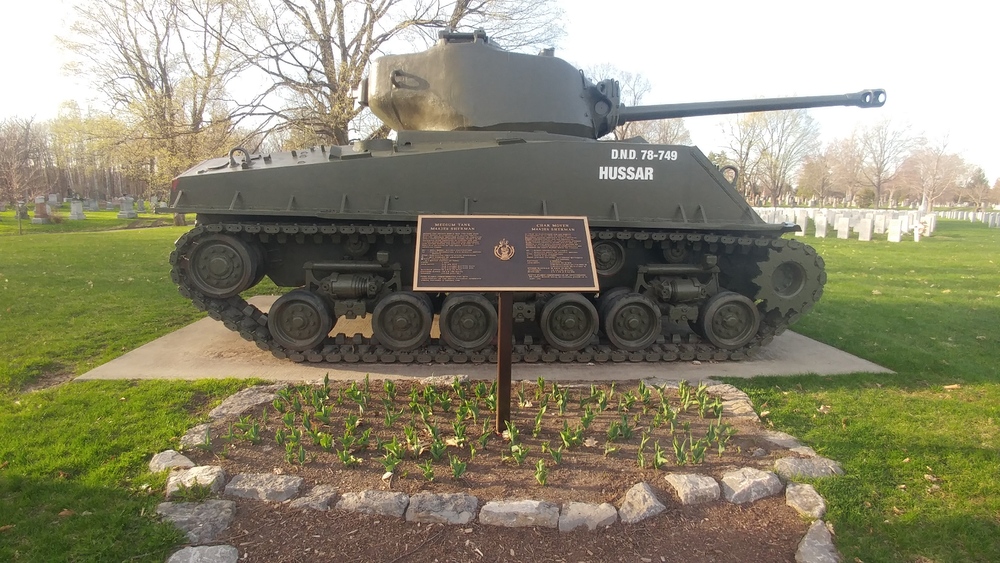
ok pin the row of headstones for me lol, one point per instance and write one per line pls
(863, 223)
(991, 219)
(128, 208)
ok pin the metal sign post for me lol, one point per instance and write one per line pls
(492, 253)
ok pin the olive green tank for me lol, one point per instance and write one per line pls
(687, 270)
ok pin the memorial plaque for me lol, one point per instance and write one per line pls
(497, 253)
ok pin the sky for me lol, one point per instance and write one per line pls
(937, 61)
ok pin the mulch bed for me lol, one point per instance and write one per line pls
(766, 530)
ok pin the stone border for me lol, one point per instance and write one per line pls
(741, 486)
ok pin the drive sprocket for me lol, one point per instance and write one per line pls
(791, 278)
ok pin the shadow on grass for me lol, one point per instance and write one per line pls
(64, 520)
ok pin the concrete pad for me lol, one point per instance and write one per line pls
(205, 349)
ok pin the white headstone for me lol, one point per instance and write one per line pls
(54, 199)
(904, 222)
(880, 220)
(820, 224)
(895, 232)
(865, 230)
(802, 220)
(844, 227)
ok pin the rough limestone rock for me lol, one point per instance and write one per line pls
(264, 486)
(805, 500)
(196, 436)
(169, 459)
(383, 503)
(579, 514)
(640, 503)
(810, 468)
(440, 380)
(749, 484)
(781, 439)
(693, 488)
(519, 514)
(206, 554)
(804, 451)
(211, 476)
(245, 400)
(201, 521)
(817, 546)
(735, 403)
(456, 508)
(318, 498)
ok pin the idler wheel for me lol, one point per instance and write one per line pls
(402, 321)
(222, 266)
(300, 320)
(609, 257)
(791, 279)
(468, 321)
(728, 320)
(569, 321)
(633, 322)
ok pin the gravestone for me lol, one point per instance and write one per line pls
(904, 223)
(3, 206)
(76, 210)
(54, 200)
(865, 230)
(92, 205)
(41, 212)
(820, 224)
(844, 227)
(140, 206)
(895, 231)
(128, 209)
(880, 220)
(802, 220)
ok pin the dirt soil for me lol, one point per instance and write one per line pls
(766, 530)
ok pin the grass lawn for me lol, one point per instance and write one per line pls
(922, 460)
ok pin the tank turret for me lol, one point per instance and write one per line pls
(465, 83)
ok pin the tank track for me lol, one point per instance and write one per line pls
(251, 323)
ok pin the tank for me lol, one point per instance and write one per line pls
(687, 269)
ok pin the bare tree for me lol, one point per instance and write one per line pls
(787, 138)
(745, 139)
(931, 172)
(663, 131)
(847, 161)
(23, 160)
(885, 147)
(815, 180)
(977, 187)
(315, 52)
(155, 66)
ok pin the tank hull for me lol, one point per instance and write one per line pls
(687, 270)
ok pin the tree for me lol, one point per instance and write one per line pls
(663, 131)
(885, 146)
(815, 179)
(316, 52)
(787, 138)
(162, 74)
(978, 188)
(931, 172)
(846, 162)
(23, 160)
(745, 137)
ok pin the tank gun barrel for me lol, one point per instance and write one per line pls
(864, 99)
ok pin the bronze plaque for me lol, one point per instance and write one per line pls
(498, 253)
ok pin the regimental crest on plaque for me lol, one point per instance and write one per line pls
(504, 250)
